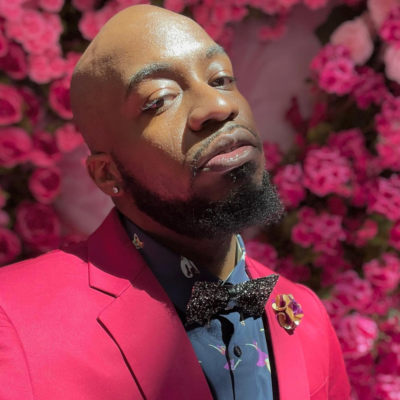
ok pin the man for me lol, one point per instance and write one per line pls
(161, 301)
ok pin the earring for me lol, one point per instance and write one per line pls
(115, 190)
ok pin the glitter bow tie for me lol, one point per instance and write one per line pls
(209, 298)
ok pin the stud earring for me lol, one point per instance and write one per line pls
(115, 190)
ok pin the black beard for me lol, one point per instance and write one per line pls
(247, 205)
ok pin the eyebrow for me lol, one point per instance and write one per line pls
(156, 68)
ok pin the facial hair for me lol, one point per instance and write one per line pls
(247, 204)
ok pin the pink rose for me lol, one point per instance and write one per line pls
(326, 171)
(370, 88)
(32, 105)
(337, 206)
(351, 145)
(384, 273)
(288, 268)
(334, 69)
(84, 5)
(14, 62)
(4, 218)
(32, 23)
(294, 117)
(10, 105)
(361, 372)
(366, 233)
(45, 151)
(59, 98)
(392, 62)
(3, 45)
(323, 232)
(338, 77)
(278, 30)
(389, 152)
(262, 252)
(15, 146)
(38, 226)
(384, 197)
(331, 266)
(51, 5)
(387, 387)
(88, 25)
(356, 37)
(43, 69)
(388, 120)
(394, 236)
(335, 309)
(68, 138)
(354, 292)
(273, 155)
(174, 5)
(327, 54)
(380, 10)
(357, 335)
(11, 10)
(45, 184)
(315, 4)
(92, 21)
(270, 7)
(390, 30)
(10, 246)
(70, 63)
(289, 182)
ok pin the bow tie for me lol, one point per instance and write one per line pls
(209, 298)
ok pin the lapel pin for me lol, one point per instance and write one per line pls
(288, 312)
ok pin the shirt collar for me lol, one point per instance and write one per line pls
(176, 273)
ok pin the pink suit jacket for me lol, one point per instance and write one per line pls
(92, 322)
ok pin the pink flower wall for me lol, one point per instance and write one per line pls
(340, 182)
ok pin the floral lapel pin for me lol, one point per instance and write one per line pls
(288, 312)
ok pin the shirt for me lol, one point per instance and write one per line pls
(233, 354)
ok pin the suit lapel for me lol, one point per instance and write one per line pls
(288, 352)
(141, 319)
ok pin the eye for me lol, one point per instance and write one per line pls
(223, 81)
(159, 103)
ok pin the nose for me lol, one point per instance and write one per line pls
(211, 105)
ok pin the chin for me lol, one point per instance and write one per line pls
(246, 173)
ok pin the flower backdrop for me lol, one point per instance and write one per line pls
(340, 182)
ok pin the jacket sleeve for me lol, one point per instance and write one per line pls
(15, 381)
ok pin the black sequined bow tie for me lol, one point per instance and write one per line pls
(209, 298)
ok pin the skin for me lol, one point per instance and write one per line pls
(197, 99)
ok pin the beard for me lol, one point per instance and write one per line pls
(247, 204)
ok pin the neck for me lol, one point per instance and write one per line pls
(217, 256)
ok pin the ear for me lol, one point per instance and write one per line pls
(104, 173)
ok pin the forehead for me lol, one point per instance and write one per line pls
(172, 41)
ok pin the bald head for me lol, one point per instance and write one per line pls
(138, 36)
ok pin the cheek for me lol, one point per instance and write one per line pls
(245, 114)
(157, 162)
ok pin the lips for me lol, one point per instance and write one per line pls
(229, 151)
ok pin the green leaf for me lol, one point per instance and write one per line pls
(319, 133)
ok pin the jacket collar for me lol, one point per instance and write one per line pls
(287, 350)
(141, 319)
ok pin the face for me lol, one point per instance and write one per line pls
(186, 145)
(187, 127)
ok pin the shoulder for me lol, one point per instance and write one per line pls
(42, 272)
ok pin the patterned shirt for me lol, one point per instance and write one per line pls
(232, 354)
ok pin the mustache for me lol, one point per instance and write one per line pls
(215, 135)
